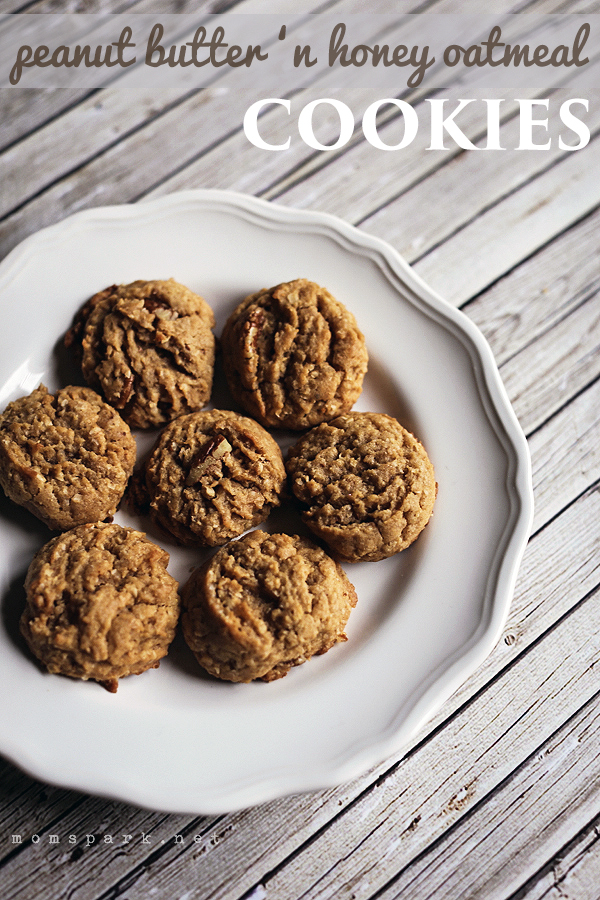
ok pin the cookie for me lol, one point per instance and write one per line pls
(213, 475)
(263, 604)
(100, 604)
(366, 485)
(293, 355)
(148, 348)
(66, 457)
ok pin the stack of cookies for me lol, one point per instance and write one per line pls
(100, 602)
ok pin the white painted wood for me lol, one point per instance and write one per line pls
(405, 811)
(133, 166)
(487, 176)
(388, 174)
(25, 110)
(25, 802)
(105, 839)
(518, 226)
(504, 841)
(266, 832)
(573, 874)
(567, 358)
(538, 293)
(92, 125)
(494, 728)
(99, 122)
(397, 171)
(567, 450)
(495, 795)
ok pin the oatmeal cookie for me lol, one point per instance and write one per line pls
(148, 348)
(293, 355)
(263, 604)
(100, 604)
(211, 476)
(66, 457)
(365, 483)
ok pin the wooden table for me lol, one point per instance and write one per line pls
(499, 795)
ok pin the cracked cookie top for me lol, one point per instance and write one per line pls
(100, 604)
(294, 355)
(263, 604)
(148, 348)
(211, 476)
(365, 484)
(66, 457)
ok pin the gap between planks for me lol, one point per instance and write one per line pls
(569, 529)
(88, 127)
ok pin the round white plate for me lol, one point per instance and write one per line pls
(173, 739)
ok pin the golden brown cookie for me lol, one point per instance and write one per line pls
(148, 348)
(100, 604)
(293, 355)
(66, 457)
(263, 604)
(211, 476)
(366, 485)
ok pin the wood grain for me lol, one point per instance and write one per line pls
(497, 796)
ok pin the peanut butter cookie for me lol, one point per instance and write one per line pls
(263, 604)
(211, 476)
(100, 604)
(293, 355)
(366, 485)
(66, 457)
(148, 348)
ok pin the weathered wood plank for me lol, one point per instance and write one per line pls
(402, 813)
(22, 110)
(570, 549)
(541, 291)
(25, 110)
(567, 357)
(566, 449)
(518, 226)
(132, 166)
(51, 867)
(267, 834)
(73, 860)
(455, 770)
(188, 138)
(504, 841)
(112, 178)
(396, 172)
(489, 176)
(93, 125)
(23, 800)
(305, 178)
(28, 109)
(50, 6)
(573, 873)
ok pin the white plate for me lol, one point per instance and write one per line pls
(172, 739)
